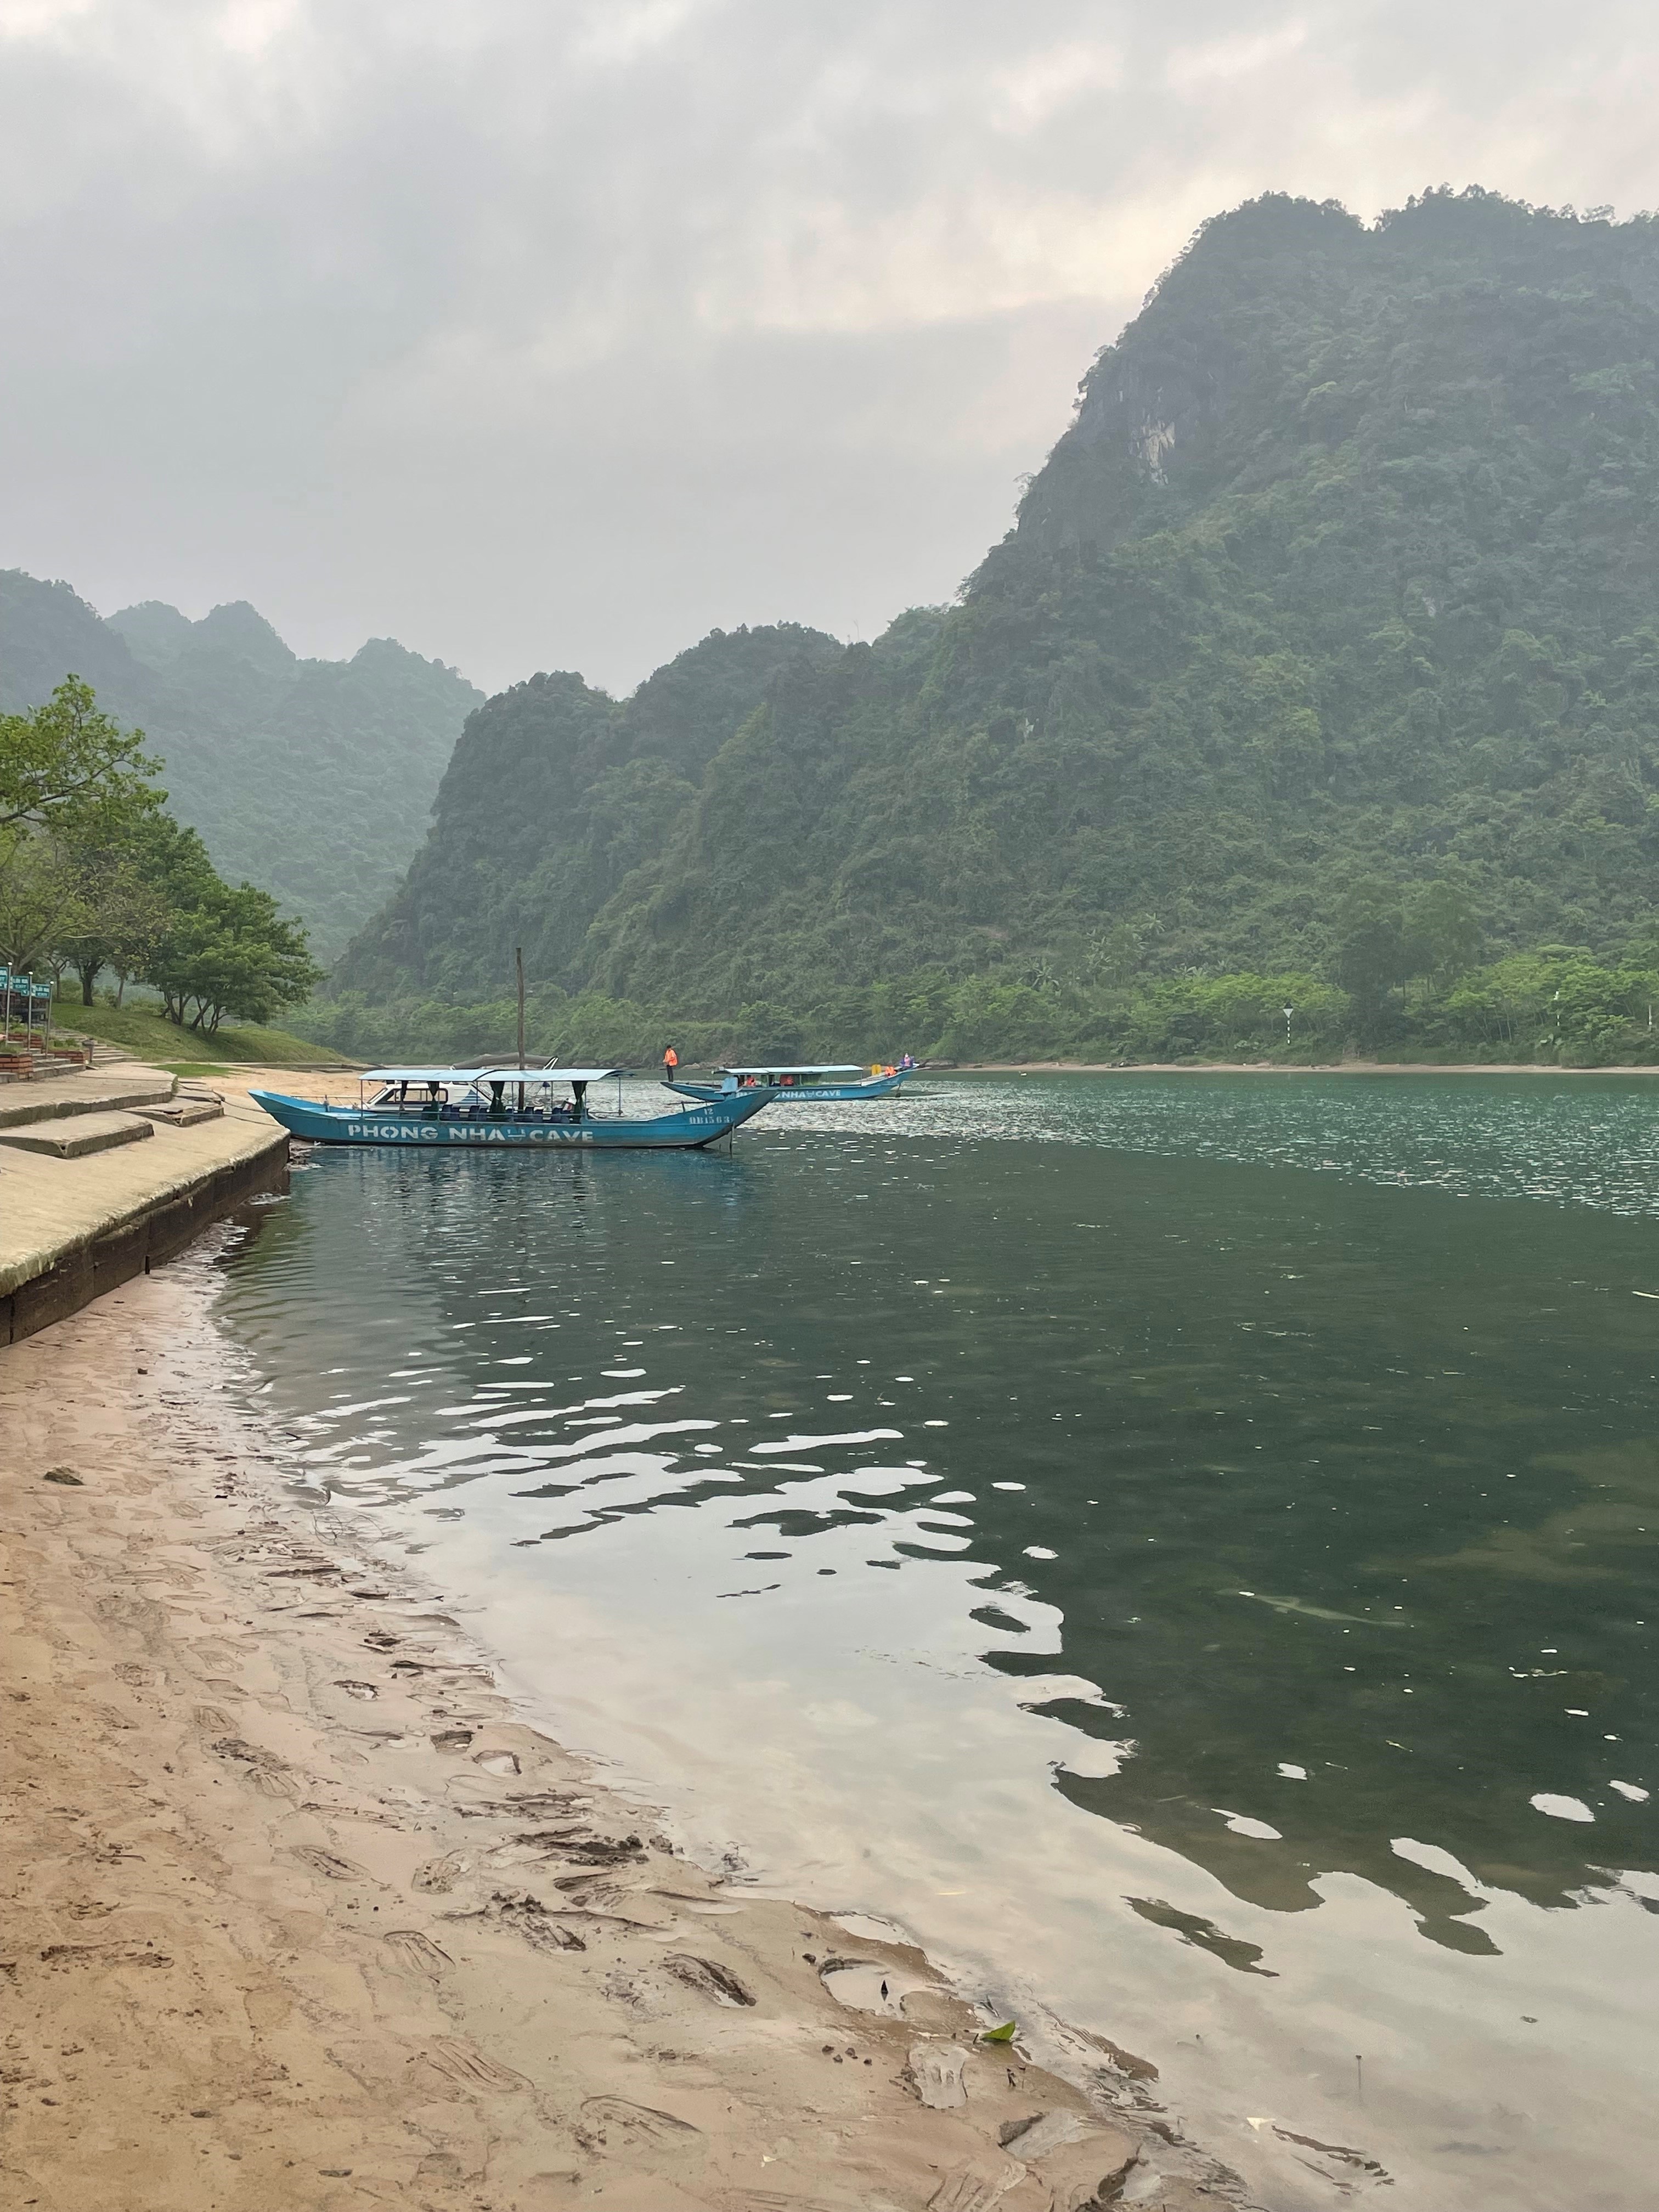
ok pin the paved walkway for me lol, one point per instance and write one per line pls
(69, 1215)
(114, 1088)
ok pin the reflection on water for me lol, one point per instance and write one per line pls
(1242, 1577)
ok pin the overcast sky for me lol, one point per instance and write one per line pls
(551, 333)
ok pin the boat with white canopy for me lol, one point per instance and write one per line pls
(822, 1081)
(537, 1109)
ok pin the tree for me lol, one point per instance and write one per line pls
(67, 757)
(38, 898)
(1442, 933)
(121, 919)
(230, 952)
(1369, 954)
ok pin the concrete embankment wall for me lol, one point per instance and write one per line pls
(71, 1229)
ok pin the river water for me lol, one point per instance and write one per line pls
(1183, 1548)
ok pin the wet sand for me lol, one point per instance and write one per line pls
(301, 1912)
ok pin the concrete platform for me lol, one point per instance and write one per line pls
(71, 1228)
(118, 1088)
(74, 1135)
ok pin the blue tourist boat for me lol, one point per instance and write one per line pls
(811, 1083)
(543, 1108)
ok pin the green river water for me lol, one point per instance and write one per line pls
(1184, 1548)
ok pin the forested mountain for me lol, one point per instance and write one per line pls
(1342, 585)
(314, 778)
(556, 797)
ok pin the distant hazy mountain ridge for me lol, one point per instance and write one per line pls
(312, 778)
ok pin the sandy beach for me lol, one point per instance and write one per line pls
(302, 1912)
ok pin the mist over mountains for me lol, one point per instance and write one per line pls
(313, 779)
(1347, 568)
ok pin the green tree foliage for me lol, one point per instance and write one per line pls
(38, 898)
(225, 949)
(67, 757)
(1558, 1004)
(94, 874)
(1557, 1007)
(120, 913)
(1441, 931)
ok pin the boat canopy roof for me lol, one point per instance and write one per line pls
(847, 1067)
(418, 1075)
(516, 1074)
(474, 1075)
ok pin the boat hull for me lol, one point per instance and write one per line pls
(689, 1129)
(781, 1094)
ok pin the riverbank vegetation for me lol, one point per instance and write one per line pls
(96, 878)
(1558, 1006)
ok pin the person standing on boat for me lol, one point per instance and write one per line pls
(670, 1064)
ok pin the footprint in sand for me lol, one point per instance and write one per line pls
(327, 1863)
(529, 1918)
(641, 2126)
(141, 1615)
(936, 2072)
(266, 2008)
(470, 2069)
(273, 1782)
(410, 1949)
(268, 1774)
(709, 1978)
(441, 1873)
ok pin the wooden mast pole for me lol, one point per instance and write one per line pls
(518, 963)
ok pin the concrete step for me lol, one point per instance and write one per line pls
(121, 1087)
(75, 1135)
(186, 1113)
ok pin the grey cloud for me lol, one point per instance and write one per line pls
(549, 335)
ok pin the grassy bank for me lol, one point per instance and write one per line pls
(146, 1035)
